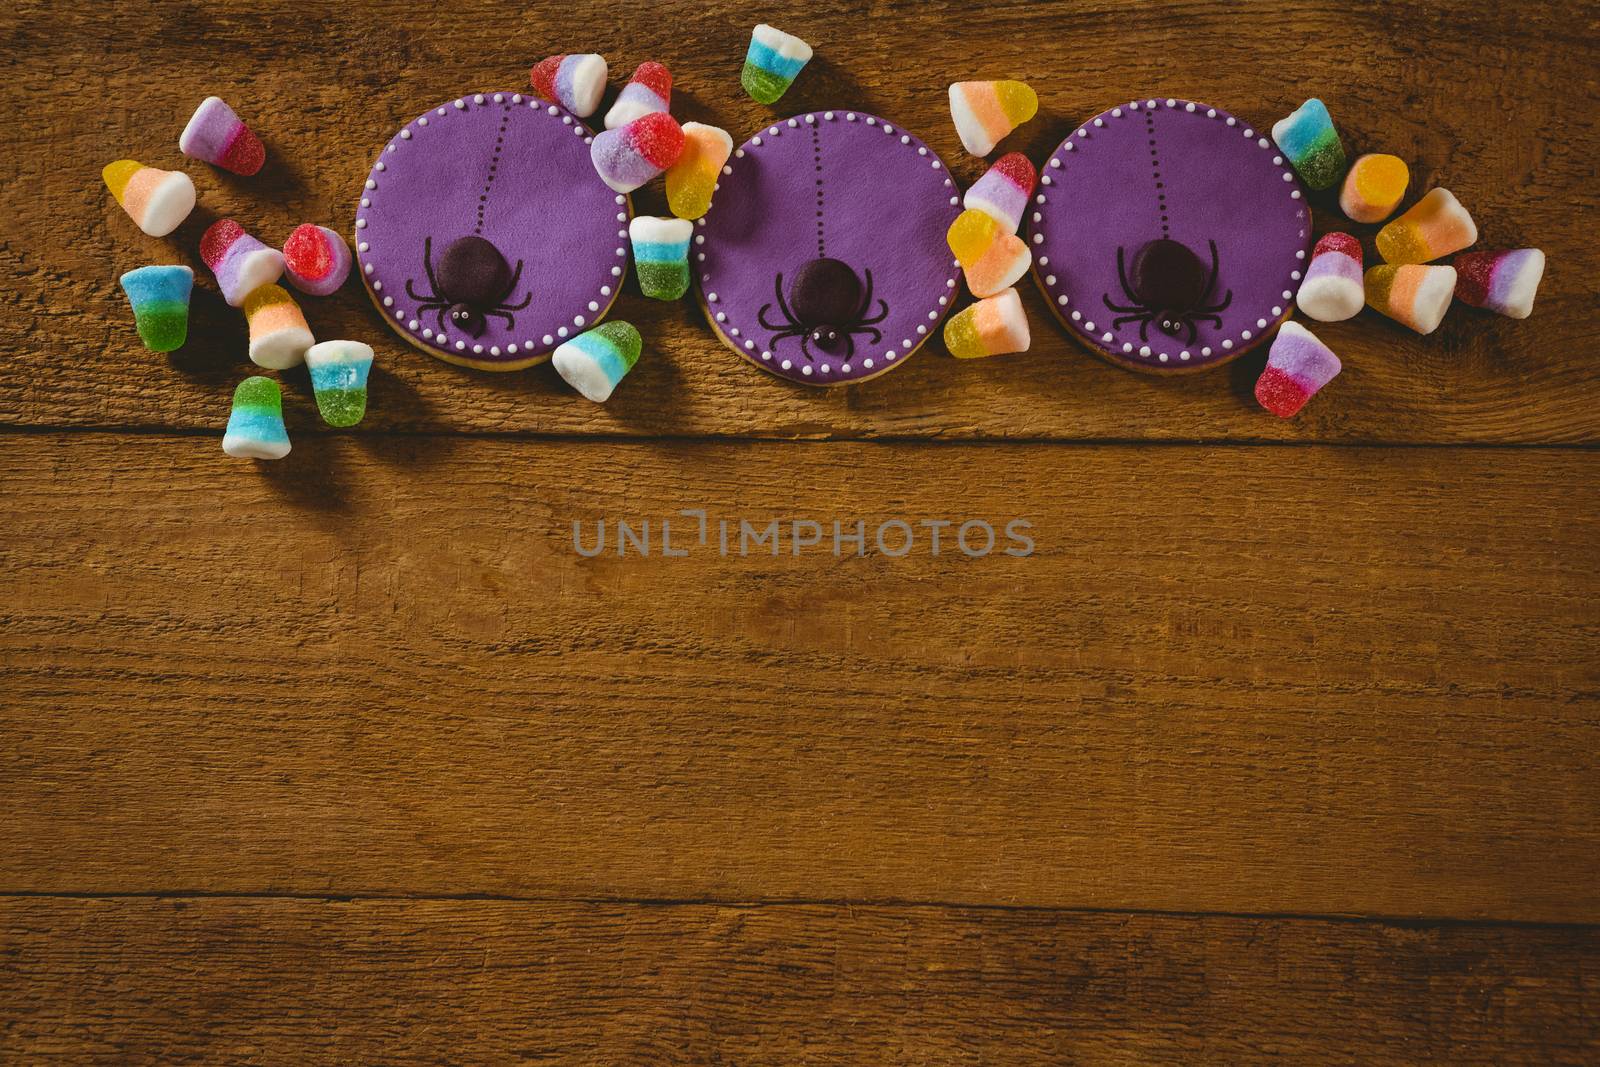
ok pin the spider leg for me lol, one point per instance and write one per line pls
(861, 315)
(777, 291)
(413, 294)
(1211, 281)
(1118, 321)
(877, 335)
(805, 347)
(511, 323)
(1119, 307)
(440, 319)
(784, 335)
(761, 317)
(1188, 325)
(1122, 276)
(427, 265)
(1204, 317)
(1144, 330)
(511, 287)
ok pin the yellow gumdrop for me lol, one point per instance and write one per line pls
(961, 334)
(119, 174)
(971, 235)
(1017, 100)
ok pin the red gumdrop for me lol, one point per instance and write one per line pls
(1017, 170)
(543, 77)
(655, 77)
(244, 154)
(658, 138)
(1279, 393)
(1339, 242)
(306, 253)
(218, 237)
(1473, 272)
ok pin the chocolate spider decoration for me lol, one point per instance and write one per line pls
(473, 281)
(827, 307)
(1170, 287)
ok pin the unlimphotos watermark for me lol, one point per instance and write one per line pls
(694, 530)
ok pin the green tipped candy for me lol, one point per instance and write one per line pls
(339, 377)
(772, 63)
(593, 363)
(160, 299)
(255, 428)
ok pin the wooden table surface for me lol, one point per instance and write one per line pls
(1282, 744)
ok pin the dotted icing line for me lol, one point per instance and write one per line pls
(822, 368)
(440, 340)
(1058, 162)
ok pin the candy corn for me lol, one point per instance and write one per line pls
(649, 90)
(1308, 138)
(156, 200)
(1434, 226)
(1412, 294)
(1298, 365)
(1002, 193)
(984, 112)
(772, 62)
(160, 299)
(241, 263)
(627, 157)
(575, 82)
(1333, 290)
(1503, 282)
(339, 377)
(594, 362)
(217, 135)
(316, 259)
(993, 259)
(255, 426)
(279, 335)
(991, 327)
(693, 178)
(661, 255)
(1374, 187)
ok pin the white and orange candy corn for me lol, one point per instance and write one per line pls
(993, 327)
(156, 200)
(992, 258)
(1434, 226)
(1412, 294)
(984, 112)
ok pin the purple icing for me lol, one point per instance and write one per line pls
(1190, 173)
(837, 185)
(515, 171)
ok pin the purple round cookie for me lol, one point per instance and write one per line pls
(484, 234)
(1169, 236)
(823, 258)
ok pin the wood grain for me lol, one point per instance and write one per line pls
(1304, 680)
(272, 981)
(1454, 92)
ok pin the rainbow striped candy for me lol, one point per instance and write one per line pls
(241, 263)
(1298, 365)
(649, 90)
(1434, 226)
(339, 377)
(984, 112)
(1312, 145)
(1503, 282)
(992, 259)
(217, 135)
(279, 335)
(693, 178)
(1374, 187)
(255, 426)
(160, 299)
(575, 82)
(594, 362)
(772, 62)
(661, 255)
(1002, 193)
(1333, 290)
(1413, 294)
(156, 200)
(627, 157)
(316, 259)
(992, 327)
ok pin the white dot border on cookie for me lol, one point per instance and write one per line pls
(873, 361)
(1074, 143)
(413, 133)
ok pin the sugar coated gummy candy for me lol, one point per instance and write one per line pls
(1434, 226)
(255, 426)
(160, 299)
(772, 62)
(279, 335)
(1312, 145)
(316, 259)
(1003, 192)
(1298, 365)
(991, 327)
(649, 90)
(339, 378)
(984, 112)
(629, 156)
(1374, 187)
(241, 263)
(1503, 282)
(992, 258)
(218, 136)
(1413, 294)
(594, 362)
(693, 178)
(575, 82)
(156, 200)
(1333, 289)
(661, 255)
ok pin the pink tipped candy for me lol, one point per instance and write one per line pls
(648, 91)
(1503, 282)
(575, 82)
(1333, 290)
(1297, 366)
(217, 135)
(241, 263)
(316, 259)
(627, 157)
(1002, 193)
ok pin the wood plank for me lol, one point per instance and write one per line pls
(1303, 680)
(272, 981)
(327, 83)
